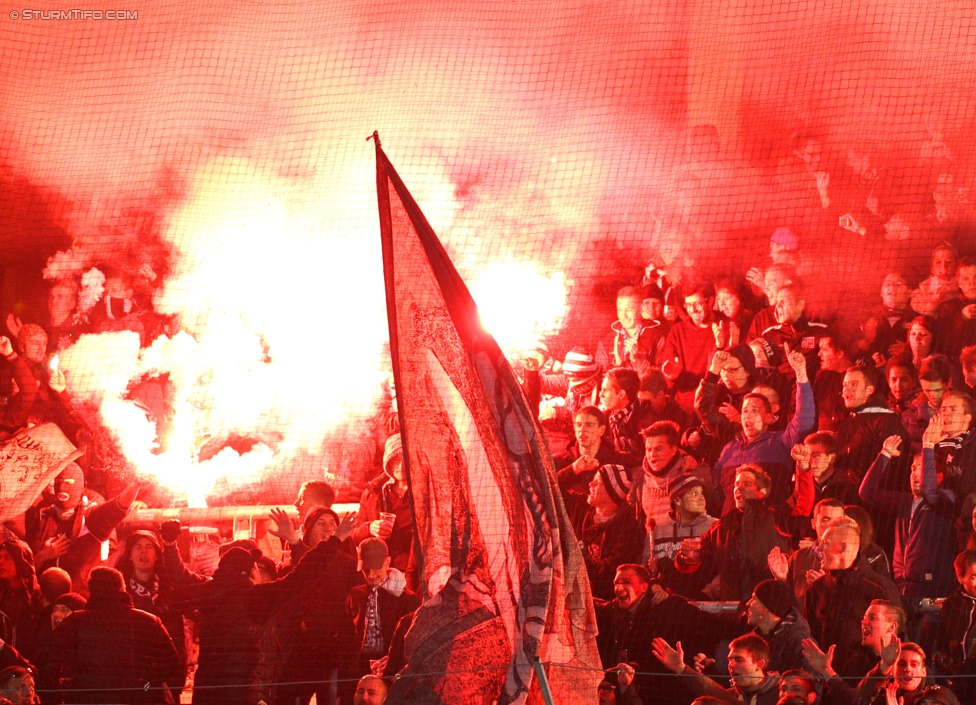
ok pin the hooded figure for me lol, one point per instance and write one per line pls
(389, 494)
(19, 593)
(141, 565)
(112, 652)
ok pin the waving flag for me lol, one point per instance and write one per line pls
(501, 566)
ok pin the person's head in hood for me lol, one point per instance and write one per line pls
(65, 605)
(320, 525)
(238, 563)
(393, 458)
(141, 555)
(17, 566)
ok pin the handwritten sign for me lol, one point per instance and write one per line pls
(29, 461)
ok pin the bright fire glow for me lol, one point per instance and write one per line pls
(519, 304)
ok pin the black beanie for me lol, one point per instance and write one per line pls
(776, 596)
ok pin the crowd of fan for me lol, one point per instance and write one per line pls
(716, 446)
(739, 452)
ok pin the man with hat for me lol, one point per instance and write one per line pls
(112, 652)
(607, 530)
(686, 521)
(772, 615)
(376, 607)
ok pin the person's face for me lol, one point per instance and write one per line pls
(396, 469)
(875, 626)
(773, 281)
(920, 341)
(61, 302)
(628, 312)
(698, 309)
(734, 375)
(69, 487)
(822, 517)
(588, 430)
(727, 302)
(652, 309)
(375, 576)
(659, 452)
(745, 488)
(8, 569)
(752, 418)
(793, 686)
(895, 292)
(755, 611)
(955, 420)
(821, 462)
(370, 691)
(900, 382)
(967, 581)
(143, 555)
(628, 588)
(746, 673)
(788, 307)
(910, 670)
(966, 277)
(943, 264)
(607, 693)
(20, 690)
(35, 348)
(598, 498)
(855, 391)
(323, 529)
(840, 547)
(969, 374)
(58, 614)
(302, 505)
(934, 392)
(612, 396)
(692, 502)
(830, 359)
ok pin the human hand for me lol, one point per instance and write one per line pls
(671, 368)
(797, 362)
(779, 564)
(896, 349)
(378, 666)
(285, 526)
(658, 594)
(6, 347)
(57, 382)
(585, 463)
(630, 345)
(14, 324)
(346, 526)
(813, 576)
(819, 661)
(719, 360)
(879, 359)
(672, 659)
(756, 277)
(933, 432)
(721, 335)
(54, 548)
(891, 694)
(801, 454)
(968, 312)
(806, 543)
(890, 649)
(625, 675)
(170, 530)
(890, 446)
(530, 363)
(730, 412)
(701, 662)
(735, 335)
(380, 529)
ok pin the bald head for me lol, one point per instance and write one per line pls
(371, 690)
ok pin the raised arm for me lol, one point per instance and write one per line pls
(870, 490)
(806, 409)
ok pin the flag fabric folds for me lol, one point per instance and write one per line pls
(504, 577)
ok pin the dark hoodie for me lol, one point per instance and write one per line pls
(16, 621)
(859, 439)
(156, 596)
(111, 652)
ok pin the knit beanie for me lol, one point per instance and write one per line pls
(776, 596)
(616, 482)
(72, 600)
(393, 451)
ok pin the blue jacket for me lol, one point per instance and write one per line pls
(770, 451)
(924, 530)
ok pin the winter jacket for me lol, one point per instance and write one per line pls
(860, 436)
